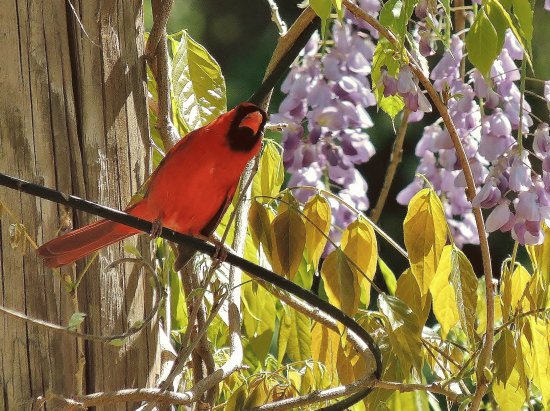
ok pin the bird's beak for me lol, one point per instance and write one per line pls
(252, 121)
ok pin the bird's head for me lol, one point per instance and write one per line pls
(247, 126)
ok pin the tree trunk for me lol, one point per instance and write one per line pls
(73, 116)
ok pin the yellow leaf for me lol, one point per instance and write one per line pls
(359, 245)
(540, 257)
(341, 283)
(464, 282)
(317, 213)
(513, 289)
(505, 356)
(271, 173)
(288, 238)
(259, 312)
(537, 355)
(351, 364)
(408, 291)
(259, 220)
(401, 326)
(294, 336)
(443, 294)
(425, 230)
(324, 348)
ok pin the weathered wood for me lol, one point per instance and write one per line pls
(73, 115)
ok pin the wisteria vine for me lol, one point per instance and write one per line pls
(329, 90)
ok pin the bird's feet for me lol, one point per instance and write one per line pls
(221, 251)
(156, 228)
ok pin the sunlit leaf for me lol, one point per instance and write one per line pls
(403, 331)
(75, 321)
(513, 290)
(271, 173)
(341, 283)
(425, 230)
(407, 401)
(505, 355)
(408, 291)
(198, 84)
(389, 276)
(359, 245)
(294, 336)
(324, 348)
(482, 43)
(259, 315)
(258, 394)
(384, 58)
(537, 355)
(288, 237)
(318, 216)
(351, 364)
(322, 8)
(259, 220)
(237, 399)
(464, 282)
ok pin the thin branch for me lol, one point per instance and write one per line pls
(395, 159)
(434, 387)
(161, 13)
(276, 17)
(487, 350)
(92, 337)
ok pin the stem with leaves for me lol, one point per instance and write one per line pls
(484, 359)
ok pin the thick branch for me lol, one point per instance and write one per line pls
(198, 245)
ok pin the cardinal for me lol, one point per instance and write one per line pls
(193, 185)
(188, 192)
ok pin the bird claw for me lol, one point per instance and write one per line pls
(156, 229)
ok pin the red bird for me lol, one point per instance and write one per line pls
(188, 192)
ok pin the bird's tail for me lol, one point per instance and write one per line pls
(79, 243)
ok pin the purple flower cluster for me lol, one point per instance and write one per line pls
(327, 93)
(519, 197)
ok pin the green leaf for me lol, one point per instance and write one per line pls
(505, 356)
(524, 16)
(271, 173)
(403, 332)
(406, 401)
(425, 230)
(198, 83)
(237, 399)
(317, 213)
(294, 336)
(443, 295)
(339, 9)
(75, 321)
(359, 245)
(464, 282)
(117, 342)
(178, 307)
(389, 276)
(384, 57)
(259, 315)
(482, 43)
(509, 387)
(322, 8)
(341, 283)
(288, 237)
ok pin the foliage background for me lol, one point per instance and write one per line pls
(241, 37)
